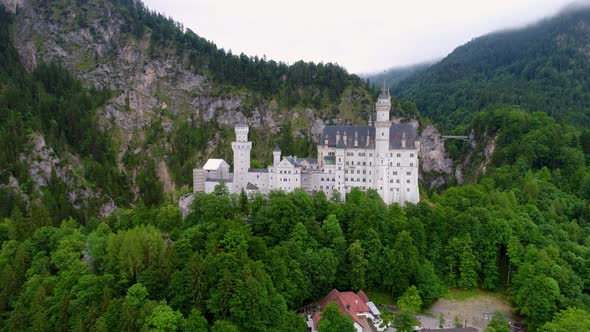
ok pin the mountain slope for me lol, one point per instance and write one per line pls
(542, 67)
(162, 100)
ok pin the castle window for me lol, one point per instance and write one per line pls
(390, 189)
(397, 181)
(408, 173)
(391, 181)
(347, 163)
(397, 164)
(411, 164)
(364, 171)
(408, 189)
(399, 155)
(364, 180)
(411, 155)
(364, 163)
(358, 171)
(352, 163)
(408, 181)
(349, 154)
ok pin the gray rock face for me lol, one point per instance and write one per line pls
(11, 5)
(433, 156)
(43, 162)
(184, 204)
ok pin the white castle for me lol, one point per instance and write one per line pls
(382, 155)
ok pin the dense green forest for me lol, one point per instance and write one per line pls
(246, 264)
(543, 67)
(239, 263)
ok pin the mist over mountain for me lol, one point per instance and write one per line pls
(541, 67)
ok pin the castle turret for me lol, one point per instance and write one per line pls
(241, 148)
(382, 124)
(276, 156)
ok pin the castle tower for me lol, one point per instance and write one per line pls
(276, 156)
(241, 148)
(382, 123)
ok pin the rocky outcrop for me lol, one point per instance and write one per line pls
(11, 5)
(478, 158)
(44, 164)
(433, 156)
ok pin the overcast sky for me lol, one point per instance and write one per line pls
(362, 36)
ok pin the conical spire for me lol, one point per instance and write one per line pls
(384, 94)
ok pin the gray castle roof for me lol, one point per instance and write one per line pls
(258, 170)
(384, 93)
(364, 133)
(297, 161)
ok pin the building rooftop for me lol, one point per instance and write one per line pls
(348, 303)
(258, 170)
(214, 164)
(251, 186)
(364, 136)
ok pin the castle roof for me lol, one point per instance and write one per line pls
(366, 136)
(298, 161)
(214, 164)
(384, 93)
(258, 170)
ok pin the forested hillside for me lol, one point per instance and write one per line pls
(543, 67)
(246, 264)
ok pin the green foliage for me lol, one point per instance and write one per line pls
(570, 320)
(333, 321)
(410, 300)
(499, 323)
(404, 321)
(539, 67)
(163, 319)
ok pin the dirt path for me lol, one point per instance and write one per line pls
(476, 311)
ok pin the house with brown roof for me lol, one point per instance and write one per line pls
(365, 315)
